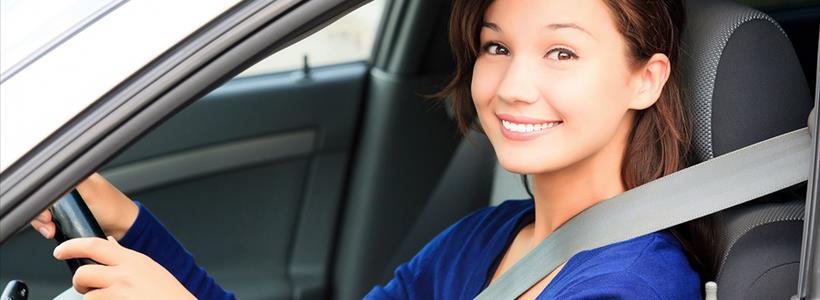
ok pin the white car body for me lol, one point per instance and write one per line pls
(90, 63)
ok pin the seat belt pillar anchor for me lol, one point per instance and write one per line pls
(710, 291)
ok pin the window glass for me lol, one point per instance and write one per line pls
(348, 39)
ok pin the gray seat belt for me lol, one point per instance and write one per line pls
(711, 186)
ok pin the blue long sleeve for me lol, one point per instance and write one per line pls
(459, 262)
(150, 237)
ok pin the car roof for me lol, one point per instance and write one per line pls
(89, 63)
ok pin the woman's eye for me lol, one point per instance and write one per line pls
(496, 49)
(561, 54)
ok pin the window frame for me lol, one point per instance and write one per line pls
(216, 53)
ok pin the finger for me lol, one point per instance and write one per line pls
(90, 277)
(117, 243)
(44, 217)
(36, 224)
(41, 220)
(47, 230)
(100, 250)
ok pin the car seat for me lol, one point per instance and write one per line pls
(744, 84)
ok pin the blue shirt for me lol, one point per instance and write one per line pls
(459, 262)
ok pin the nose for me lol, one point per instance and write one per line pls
(518, 84)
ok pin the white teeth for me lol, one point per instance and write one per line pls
(527, 127)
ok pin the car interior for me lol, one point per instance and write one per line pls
(744, 87)
(317, 181)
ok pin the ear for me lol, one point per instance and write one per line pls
(649, 81)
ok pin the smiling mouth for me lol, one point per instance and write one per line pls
(525, 128)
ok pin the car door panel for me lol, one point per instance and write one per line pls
(239, 177)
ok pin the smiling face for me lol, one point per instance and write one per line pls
(553, 85)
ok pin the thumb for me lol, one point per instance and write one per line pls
(105, 251)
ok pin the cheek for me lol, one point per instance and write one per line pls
(591, 100)
(592, 105)
(485, 80)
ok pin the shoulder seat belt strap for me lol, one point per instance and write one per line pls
(711, 186)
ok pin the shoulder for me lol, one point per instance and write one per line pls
(458, 257)
(472, 240)
(494, 217)
(482, 225)
(653, 266)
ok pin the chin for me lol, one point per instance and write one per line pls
(523, 163)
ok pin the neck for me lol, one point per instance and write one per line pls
(562, 194)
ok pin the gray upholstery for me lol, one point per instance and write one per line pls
(742, 220)
(507, 185)
(744, 80)
(463, 188)
(744, 84)
(762, 248)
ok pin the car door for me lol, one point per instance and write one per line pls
(250, 177)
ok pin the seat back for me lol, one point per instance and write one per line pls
(744, 84)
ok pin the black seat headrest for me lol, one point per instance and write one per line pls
(742, 79)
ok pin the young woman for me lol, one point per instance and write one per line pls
(581, 95)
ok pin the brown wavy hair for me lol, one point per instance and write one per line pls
(659, 141)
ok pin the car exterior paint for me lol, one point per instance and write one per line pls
(49, 92)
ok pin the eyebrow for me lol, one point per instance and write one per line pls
(556, 26)
(567, 25)
(492, 26)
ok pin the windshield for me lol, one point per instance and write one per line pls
(29, 28)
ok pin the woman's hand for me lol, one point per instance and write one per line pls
(123, 273)
(113, 210)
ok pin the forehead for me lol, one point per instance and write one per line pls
(592, 15)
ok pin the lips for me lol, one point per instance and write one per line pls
(520, 128)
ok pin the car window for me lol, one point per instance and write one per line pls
(351, 38)
(285, 142)
(253, 170)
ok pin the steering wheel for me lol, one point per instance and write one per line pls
(73, 220)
